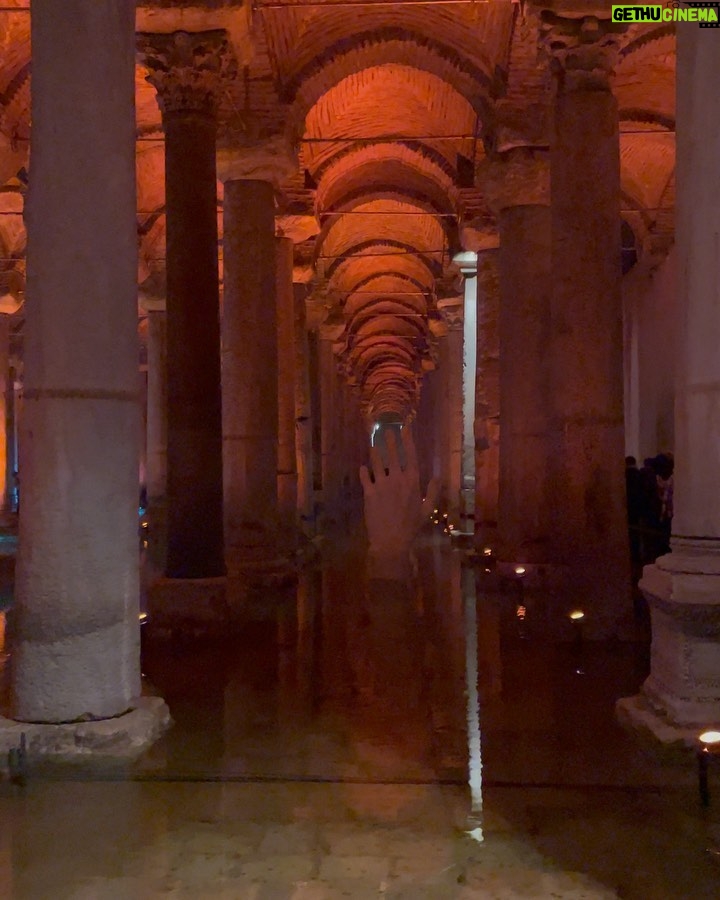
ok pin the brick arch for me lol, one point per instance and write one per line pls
(386, 310)
(356, 270)
(380, 46)
(358, 296)
(386, 218)
(647, 162)
(394, 247)
(646, 117)
(639, 39)
(420, 153)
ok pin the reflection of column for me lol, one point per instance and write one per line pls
(587, 500)
(157, 432)
(683, 587)
(76, 634)
(186, 70)
(516, 186)
(487, 403)
(286, 355)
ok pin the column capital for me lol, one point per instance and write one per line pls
(12, 284)
(519, 177)
(187, 68)
(582, 50)
(451, 309)
(478, 228)
(242, 158)
(520, 125)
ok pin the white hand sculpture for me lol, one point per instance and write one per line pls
(394, 507)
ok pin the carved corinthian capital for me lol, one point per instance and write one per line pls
(187, 68)
(520, 177)
(582, 50)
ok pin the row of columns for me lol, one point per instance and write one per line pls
(551, 496)
(75, 622)
(76, 625)
(232, 468)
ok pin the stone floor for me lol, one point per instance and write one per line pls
(322, 752)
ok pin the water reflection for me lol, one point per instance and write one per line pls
(332, 680)
(342, 679)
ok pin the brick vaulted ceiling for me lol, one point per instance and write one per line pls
(389, 105)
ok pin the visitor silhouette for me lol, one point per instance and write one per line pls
(394, 507)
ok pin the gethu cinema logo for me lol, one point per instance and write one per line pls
(656, 13)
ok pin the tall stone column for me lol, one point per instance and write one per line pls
(187, 70)
(451, 350)
(250, 369)
(329, 412)
(287, 475)
(516, 186)
(586, 480)
(683, 587)
(467, 262)
(157, 431)
(250, 353)
(6, 388)
(487, 400)
(76, 648)
(303, 412)
(11, 467)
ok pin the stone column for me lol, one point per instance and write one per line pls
(451, 350)
(250, 354)
(329, 412)
(157, 431)
(487, 401)
(303, 413)
(250, 369)
(76, 647)
(187, 70)
(467, 262)
(516, 186)
(455, 420)
(586, 479)
(6, 389)
(287, 476)
(11, 483)
(682, 694)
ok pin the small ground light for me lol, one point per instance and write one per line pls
(576, 615)
(487, 551)
(709, 740)
(519, 570)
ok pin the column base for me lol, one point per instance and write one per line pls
(194, 606)
(269, 571)
(682, 589)
(654, 730)
(122, 737)
(263, 556)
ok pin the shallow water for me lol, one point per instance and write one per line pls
(323, 751)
